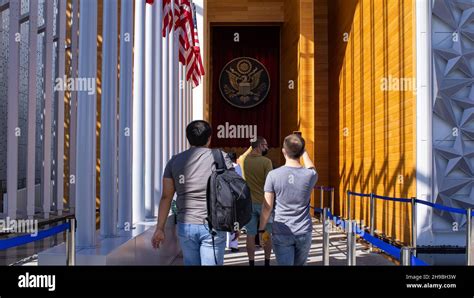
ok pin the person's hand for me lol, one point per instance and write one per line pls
(158, 237)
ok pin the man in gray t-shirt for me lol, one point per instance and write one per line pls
(190, 171)
(289, 189)
(186, 174)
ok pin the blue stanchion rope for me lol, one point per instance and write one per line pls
(403, 200)
(442, 207)
(358, 194)
(20, 240)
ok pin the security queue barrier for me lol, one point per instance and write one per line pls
(69, 226)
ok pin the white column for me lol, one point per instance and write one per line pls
(166, 100)
(12, 110)
(138, 173)
(150, 90)
(108, 134)
(424, 166)
(180, 107)
(158, 145)
(48, 111)
(73, 107)
(198, 92)
(86, 128)
(125, 142)
(174, 78)
(31, 147)
(60, 106)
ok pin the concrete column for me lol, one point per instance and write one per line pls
(166, 101)
(86, 128)
(138, 135)
(48, 109)
(12, 109)
(108, 134)
(73, 107)
(61, 29)
(158, 99)
(125, 142)
(150, 90)
(31, 144)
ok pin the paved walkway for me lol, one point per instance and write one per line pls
(337, 252)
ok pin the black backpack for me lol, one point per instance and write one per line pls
(229, 204)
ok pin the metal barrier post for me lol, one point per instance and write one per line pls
(331, 205)
(354, 242)
(348, 206)
(413, 225)
(70, 243)
(405, 256)
(321, 201)
(351, 243)
(469, 236)
(372, 218)
(326, 237)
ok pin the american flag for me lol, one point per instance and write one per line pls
(194, 66)
(168, 19)
(185, 30)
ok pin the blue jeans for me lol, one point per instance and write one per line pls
(252, 225)
(291, 249)
(196, 244)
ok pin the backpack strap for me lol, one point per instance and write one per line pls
(218, 159)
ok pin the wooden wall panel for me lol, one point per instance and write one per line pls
(372, 135)
(245, 10)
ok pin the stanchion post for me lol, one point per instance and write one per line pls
(321, 201)
(349, 242)
(326, 235)
(372, 218)
(413, 225)
(405, 256)
(348, 205)
(468, 236)
(70, 243)
(354, 242)
(332, 200)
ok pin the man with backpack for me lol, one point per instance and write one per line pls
(187, 174)
(289, 189)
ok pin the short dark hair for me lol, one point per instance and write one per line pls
(294, 146)
(198, 133)
(232, 156)
(257, 142)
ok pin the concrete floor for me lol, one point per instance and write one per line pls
(337, 252)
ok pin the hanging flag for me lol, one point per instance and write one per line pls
(195, 68)
(150, 1)
(168, 20)
(185, 30)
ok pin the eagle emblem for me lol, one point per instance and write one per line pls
(244, 82)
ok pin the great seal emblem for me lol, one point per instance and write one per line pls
(244, 82)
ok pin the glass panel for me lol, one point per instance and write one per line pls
(23, 106)
(4, 26)
(41, 12)
(39, 108)
(25, 6)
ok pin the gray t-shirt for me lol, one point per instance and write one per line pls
(190, 171)
(292, 187)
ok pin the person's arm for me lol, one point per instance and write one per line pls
(307, 161)
(266, 210)
(164, 210)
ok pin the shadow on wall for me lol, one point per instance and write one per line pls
(372, 120)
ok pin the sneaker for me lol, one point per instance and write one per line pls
(234, 249)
